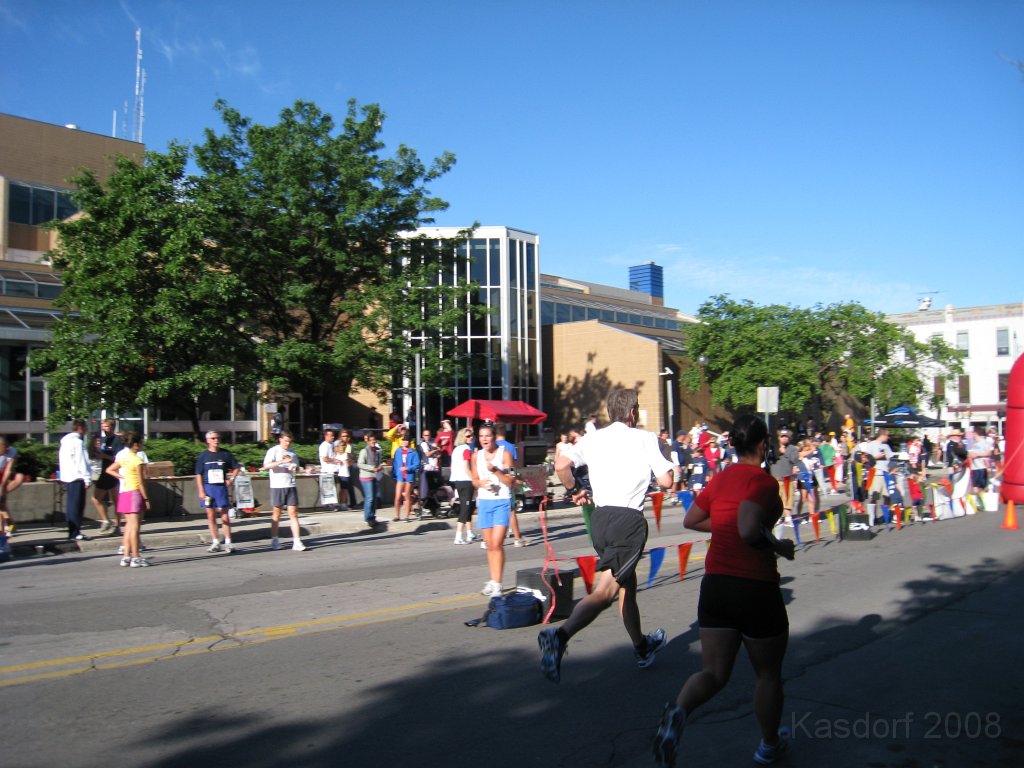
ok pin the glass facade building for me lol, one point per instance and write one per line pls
(502, 347)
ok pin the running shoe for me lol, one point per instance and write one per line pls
(298, 546)
(521, 543)
(551, 651)
(654, 643)
(666, 740)
(766, 755)
(215, 547)
(491, 588)
(125, 562)
(275, 543)
(229, 547)
(140, 562)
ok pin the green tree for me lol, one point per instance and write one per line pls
(310, 214)
(810, 354)
(149, 313)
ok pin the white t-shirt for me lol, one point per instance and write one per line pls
(621, 461)
(344, 455)
(283, 475)
(327, 452)
(460, 471)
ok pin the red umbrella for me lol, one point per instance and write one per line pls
(507, 411)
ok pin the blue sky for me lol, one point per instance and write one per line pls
(789, 151)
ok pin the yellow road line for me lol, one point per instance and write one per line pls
(117, 659)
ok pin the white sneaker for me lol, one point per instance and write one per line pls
(460, 540)
(125, 562)
(521, 543)
(120, 550)
(275, 543)
(215, 547)
(228, 547)
(483, 545)
(298, 546)
(491, 588)
(470, 537)
(140, 562)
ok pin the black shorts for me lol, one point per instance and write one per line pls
(105, 482)
(619, 535)
(284, 497)
(753, 608)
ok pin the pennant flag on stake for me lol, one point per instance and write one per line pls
(587, 564)
(886, 513)
(832, 522)
(816, 522)
(656, 500)
(686, 497)
(796, 530)
(657, 557)
(684, 557)
(898, 513)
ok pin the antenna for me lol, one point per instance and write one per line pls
(140, 78)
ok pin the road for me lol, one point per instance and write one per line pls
(903, 653)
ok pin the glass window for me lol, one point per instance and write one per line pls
(964, 385)
(593, 313)
(65, 206)
(562, 313)
(621, 317)
(1002, 342)
(49, 290)
(44, 205)
(531, 266)
(660, 322)
(962, 343)
(607, 315)
(495, 259)
(939, 387)
(672, 325)
(1004, 386)
(478, 265)
(20, 206)
(578, 313)
(19, 288)
(648, 321)
(494, 319)
(547, 313)
(513, 263)
(635, 319)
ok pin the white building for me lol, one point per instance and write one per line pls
(991, 339)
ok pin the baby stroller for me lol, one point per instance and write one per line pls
(436, 496)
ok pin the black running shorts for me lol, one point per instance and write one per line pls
(754, 608)
(619, 535)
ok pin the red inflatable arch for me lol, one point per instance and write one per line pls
(1013, 474)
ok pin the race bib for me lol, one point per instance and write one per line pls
(215, 476)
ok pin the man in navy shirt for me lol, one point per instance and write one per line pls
(216, 469)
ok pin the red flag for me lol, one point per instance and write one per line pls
(684, 557)
(587, 564)
(816, 522)
(656, 500)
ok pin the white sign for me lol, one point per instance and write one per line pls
(243, 493)
(768, 399)
(328, 491)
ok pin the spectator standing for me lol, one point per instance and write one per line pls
(282, 463)
(462, 481)
(129, 470)
(446, 442)
(7, 455)
(344, 453)
(500, 438)
(76, 477)
(740, 601)
(405, 463)
(430, 467)
(492, 478)
(622, 460)
(784, 469)
(216, 469)
(808, 463)
(370, 463)
(329, 462)
(105, 487)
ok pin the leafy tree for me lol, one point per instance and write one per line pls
(810, 354)
(149, 314)
(309, 219)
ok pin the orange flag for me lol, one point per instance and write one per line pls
(587, 564)
(656, 500)
(684, 557)
(816, 522)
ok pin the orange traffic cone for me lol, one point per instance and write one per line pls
(1010, 521)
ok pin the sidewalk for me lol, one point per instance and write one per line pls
(32, 539)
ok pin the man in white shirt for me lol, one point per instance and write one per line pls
(282, 462)
(73, 462)
(329, 464)
(621, 459)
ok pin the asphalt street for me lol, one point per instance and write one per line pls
(355, 653)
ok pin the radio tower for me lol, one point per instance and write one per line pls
(138, 110)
